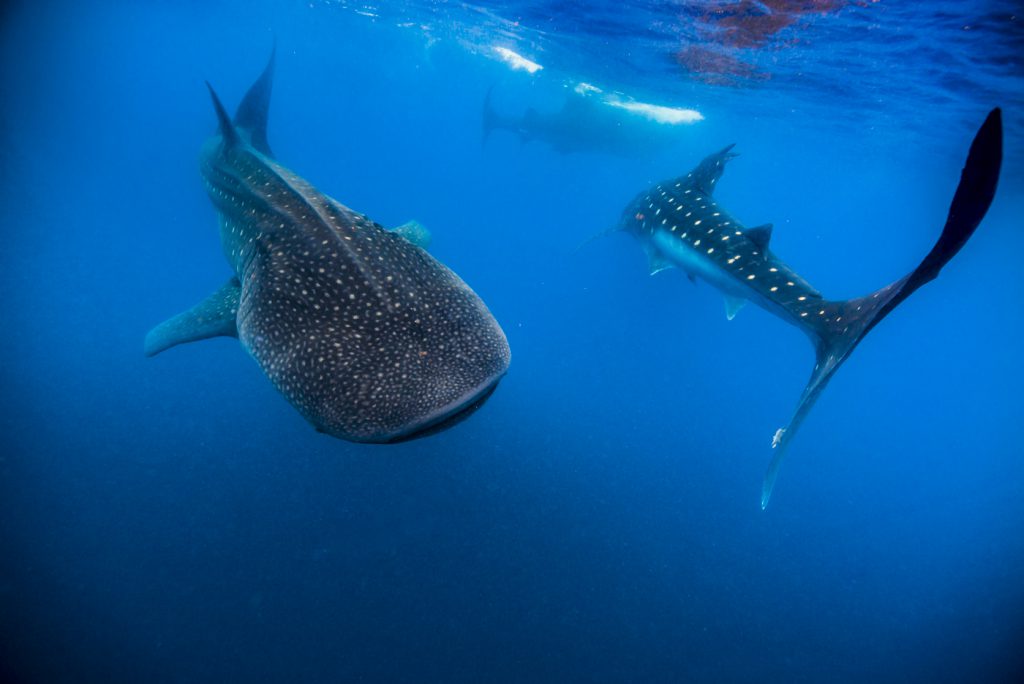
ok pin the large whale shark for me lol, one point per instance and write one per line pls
(365, 333)
(680, 225)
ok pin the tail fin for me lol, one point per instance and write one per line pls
(490, 118)
(838, 327)
(224, 125)
(251, 116)
(493, 121)
(597, 236)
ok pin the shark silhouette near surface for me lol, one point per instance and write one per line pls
(679, 224)
(365, 333)
(584, 123)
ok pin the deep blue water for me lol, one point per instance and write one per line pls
(174, 520)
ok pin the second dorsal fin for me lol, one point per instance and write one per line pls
(760, 235)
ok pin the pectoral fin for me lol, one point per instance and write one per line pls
(733, 305)
(657, 263)
(415, 232)
(212, 317)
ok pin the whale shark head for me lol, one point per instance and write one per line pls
(367, 335)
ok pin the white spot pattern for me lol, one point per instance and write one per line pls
(367, 335)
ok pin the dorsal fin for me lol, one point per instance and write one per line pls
(227, 130)
(251, 117)
(760, 235)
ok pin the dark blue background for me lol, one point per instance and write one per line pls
(174, 520)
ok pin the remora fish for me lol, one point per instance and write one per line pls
(679, 224)
(367, 335)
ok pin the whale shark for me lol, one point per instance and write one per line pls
(590, 122)
(367, 335)
(680, 225)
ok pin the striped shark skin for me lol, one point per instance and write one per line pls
(680, 225)
(367, 335)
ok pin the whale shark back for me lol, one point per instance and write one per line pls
(366, 334)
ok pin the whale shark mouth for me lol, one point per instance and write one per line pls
(448, 416)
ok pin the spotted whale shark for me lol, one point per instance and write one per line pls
(680, 225)
(370, 337)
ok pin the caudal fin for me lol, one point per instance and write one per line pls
(838, 327)
(251, 116)
(490, 118)
(224, 125)
(494, 121)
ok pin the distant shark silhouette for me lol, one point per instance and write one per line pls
(588, 122)
(367, 335)
(679, 225)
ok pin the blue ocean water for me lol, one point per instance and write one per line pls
(174, 520)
